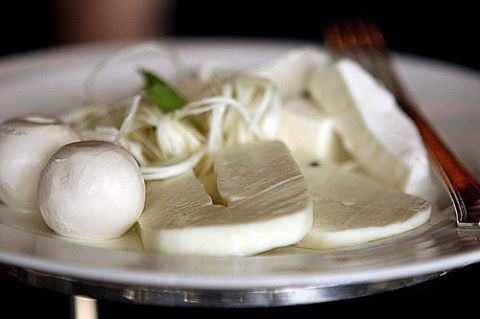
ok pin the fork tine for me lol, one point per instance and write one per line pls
(361, 33)
(383, 66)
(363, 42)
(373, 47)
(364, 54)
(347, 35)
(340, 40)
(332, 38)
(350, 40)
(377, 39)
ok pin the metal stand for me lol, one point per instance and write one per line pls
(170, 296)
(84, 307)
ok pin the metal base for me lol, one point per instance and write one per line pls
(167, 296)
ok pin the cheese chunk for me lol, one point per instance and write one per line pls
(268, 206)
(26, 144)
(290, 72)
(350, 209)
(376, 132)
(305, 128)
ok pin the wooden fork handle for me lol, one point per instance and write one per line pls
(463, 187)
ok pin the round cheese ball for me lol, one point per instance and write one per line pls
(91, 190)
(26, 144)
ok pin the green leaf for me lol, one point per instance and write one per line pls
(160, 93)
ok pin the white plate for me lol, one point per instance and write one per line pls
(51, 81)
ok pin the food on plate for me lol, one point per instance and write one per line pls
(267, 205)
(305, 127)
(218, 150)
(91, 190)
(291, 72)
(26, 144)
(350, 209)
(381, 138)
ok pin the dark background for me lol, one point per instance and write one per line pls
(446, 31)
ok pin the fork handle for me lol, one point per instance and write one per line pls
(463, 186)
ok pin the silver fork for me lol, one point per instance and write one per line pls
(364, 42)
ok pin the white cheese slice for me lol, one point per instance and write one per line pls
(268, 206)
(376, 132)
(290, 72)
(306, 128)
(350, 209)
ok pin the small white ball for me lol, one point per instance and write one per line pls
(91, 190)
(26, 144)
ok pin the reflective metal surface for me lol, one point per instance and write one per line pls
(267, 297)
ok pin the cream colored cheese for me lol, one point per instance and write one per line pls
(304, 127)
(26, 144)
(350, 209)
(381, 138)
(91, 190)
(267, 198)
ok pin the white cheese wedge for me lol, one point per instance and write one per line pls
(306, 128)
(268, 206)
(350, 209)
(290, 72)
(26, 144)
(376, 132)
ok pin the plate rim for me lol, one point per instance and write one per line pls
(194, 281)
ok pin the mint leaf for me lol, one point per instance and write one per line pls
(160, 93)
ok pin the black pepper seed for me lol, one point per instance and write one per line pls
(315, 163)
(305, 94)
